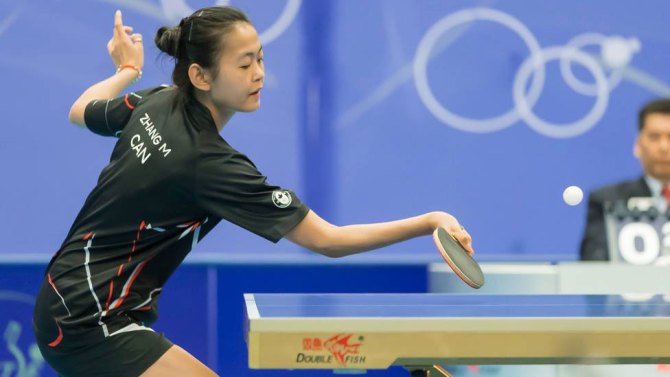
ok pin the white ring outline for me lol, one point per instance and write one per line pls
(577, 85)
(564, 130)
(176, 9)
(283, 22)
(423, 54)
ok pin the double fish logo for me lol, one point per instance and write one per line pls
(340, 347)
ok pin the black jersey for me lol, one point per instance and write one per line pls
(170, 180)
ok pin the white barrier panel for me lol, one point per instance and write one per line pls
(633, 282)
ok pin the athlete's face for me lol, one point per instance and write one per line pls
(241, 72)
(653, 146)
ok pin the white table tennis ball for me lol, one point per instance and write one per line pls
(573, 195)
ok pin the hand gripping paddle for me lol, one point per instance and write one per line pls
(458, 258)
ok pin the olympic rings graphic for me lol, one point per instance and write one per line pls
(423, 54)
(620, 54)
(176, 9)
(566, 71)
(567, 130)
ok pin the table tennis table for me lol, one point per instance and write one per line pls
(423, 331)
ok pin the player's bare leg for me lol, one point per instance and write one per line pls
(176, 362)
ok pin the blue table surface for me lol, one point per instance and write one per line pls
(457, 306)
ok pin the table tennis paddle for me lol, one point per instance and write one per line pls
(458, 258)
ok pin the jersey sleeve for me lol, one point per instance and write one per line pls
(229, 186)
(108, 117)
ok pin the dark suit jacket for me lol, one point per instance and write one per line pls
(594, 242)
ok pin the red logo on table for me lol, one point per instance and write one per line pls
(341, 348)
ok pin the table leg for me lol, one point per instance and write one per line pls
(434, 371)
(419, 372)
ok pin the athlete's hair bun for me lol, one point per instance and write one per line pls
(167, 40)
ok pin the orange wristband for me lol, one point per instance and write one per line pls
(124, 66)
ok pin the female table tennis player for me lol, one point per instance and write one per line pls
(170, 180)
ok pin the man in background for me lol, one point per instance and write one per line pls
(652, 148)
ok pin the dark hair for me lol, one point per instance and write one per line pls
(658, 106)
(197, 39)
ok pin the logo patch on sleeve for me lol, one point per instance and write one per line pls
(281, 198)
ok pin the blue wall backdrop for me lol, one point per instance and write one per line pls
(372, 110)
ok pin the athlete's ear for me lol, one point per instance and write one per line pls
(200, 77)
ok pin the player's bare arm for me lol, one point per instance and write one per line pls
(127, 52)
(318, 235)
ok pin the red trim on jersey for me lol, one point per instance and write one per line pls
(132, 250)
(86, 237)
(59, 338)
(139, 230)
(109, 297)
(144, 308)
(130, 284)
(52, 283)
(125, 99)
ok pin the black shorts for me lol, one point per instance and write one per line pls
(127, 354)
